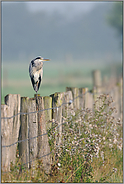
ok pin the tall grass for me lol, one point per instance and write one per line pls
(90, 149)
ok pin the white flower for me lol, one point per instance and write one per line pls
(59, 164)
(103, 138)
(115, 141)
(110, 145)
(119, 147)
(114, 169)
(102, 155)
(110, 140)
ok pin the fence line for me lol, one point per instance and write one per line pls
(52, 108)
(69, 102)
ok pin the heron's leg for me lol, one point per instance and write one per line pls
(36, 98)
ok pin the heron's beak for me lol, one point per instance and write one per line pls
(45, 60)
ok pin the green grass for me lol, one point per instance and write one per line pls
(56, 77)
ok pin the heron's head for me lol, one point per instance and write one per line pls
(39, 58)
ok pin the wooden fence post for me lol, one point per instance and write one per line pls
(43, 144)
(75, 94)
(5, 138)
(33, 131)
(10, 129)
(68, 107)
(97, 81)
(57, 100)
(48, 113)
(90, 101)
(81, 99)
(85, 99)
(23, 133)
(28, 130)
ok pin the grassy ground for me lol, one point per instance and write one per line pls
(56, 77)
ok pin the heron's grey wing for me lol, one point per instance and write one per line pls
(40, 77)
(31, 74)
(32, 80)
(39, 82)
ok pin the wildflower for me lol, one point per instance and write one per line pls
(114, 169)
(97, 151)
(59, 164)
(102, 155)
(95, 126)
(110, 145)
(119, 147)
(90, 125)
(67, 150)
(104, 138)
(18, 155)
(115, 141)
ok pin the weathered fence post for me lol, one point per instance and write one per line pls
(97, 81)
(90, 101)
(68, 106)
(9, 129)
(57, 100)
(48, 113)
(75, 94)
(33, 131)
(97, 85)
(84, 93)
(43, 144)
(23, 132)
(81, 100)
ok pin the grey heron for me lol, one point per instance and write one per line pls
(36, 71)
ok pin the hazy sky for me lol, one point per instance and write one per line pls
(83, 28)
(61, 6)
(68, 8)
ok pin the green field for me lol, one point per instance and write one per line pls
(56, 77)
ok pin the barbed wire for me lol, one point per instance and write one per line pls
(31, 137)
(23, 140)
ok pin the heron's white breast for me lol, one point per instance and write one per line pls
(36, 76)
